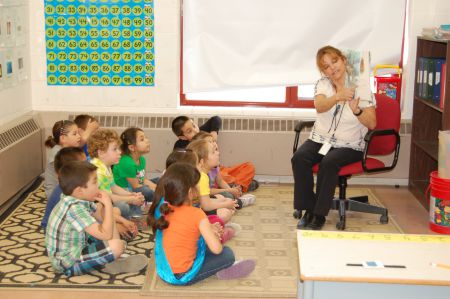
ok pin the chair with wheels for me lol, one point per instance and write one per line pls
(384, 140)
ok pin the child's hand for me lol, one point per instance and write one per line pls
(92, 125)
(231, 204)
(103, 198)
(217, 229)
(130, 226)
(137, 199)
(236, 191)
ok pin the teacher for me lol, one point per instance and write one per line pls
(337, 138)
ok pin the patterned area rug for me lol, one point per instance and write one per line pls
(24, 264)
(268, 235)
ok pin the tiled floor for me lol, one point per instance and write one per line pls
(402, 205)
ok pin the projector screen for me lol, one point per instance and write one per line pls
(256, 43)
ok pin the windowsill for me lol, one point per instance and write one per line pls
(249, 111)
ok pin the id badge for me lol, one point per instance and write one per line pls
(325, 148)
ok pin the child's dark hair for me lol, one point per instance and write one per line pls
(66, 155)
(181, 155)
(75, 174)
(173, 187)
(59, 128)
(178, 123)
(83, 119)
(128, 137)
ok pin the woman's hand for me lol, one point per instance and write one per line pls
(345, 94)
(354, 105)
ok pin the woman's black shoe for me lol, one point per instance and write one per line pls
(316, 223)
(305, 220)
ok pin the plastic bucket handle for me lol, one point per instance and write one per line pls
(386, 66)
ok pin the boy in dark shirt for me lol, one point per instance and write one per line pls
(185, 129)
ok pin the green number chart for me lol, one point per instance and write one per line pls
(100, 42)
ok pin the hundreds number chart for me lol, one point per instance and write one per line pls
(100, 42)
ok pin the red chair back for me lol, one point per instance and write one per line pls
(388, 117)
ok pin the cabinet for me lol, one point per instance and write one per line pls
(427, 120)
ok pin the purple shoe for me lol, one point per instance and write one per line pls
(237, 270)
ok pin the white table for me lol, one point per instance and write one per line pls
(324, 272)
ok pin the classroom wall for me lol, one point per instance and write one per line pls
(16, 99)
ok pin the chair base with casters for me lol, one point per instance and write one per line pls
(383, 140)
(356, 203)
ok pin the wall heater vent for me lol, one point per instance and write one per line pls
(17, 133)
(228, 123)
(21, 157)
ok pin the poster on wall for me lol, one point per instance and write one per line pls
(8, 27)
(21, 65)
(9, 69)
(19, 26)
(100, 43)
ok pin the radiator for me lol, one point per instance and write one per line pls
(21, 158)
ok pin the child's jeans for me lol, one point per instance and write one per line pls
(146, 191)
(213, 263)
(128, 211)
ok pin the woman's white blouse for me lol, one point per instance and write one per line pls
(339, 126)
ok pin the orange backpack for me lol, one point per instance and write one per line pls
(240, 174)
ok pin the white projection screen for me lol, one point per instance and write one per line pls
(256, 43)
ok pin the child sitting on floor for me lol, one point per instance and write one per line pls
(81, 236)
(187, 247)
(217, 184)
(185, 129)
(87, 125)
(103, 147)
(129, 173)
(64, 134)
(208, 158)
(127, 229)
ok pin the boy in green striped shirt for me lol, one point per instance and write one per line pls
(81, 235)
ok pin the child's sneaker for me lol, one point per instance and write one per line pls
(237, 270)
(228, 233)
(128, 264)
(236, 227)
(247, 199)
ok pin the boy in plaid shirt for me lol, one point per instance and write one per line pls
(81, 235)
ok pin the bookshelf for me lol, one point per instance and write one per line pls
(427, 119)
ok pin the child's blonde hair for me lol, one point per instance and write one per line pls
(200, 148)
(201, 136)
(100, 140)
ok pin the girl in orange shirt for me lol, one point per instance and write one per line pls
(188, 250)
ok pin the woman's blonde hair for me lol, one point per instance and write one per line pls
(332, 51)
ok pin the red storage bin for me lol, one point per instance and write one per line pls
(388, 84)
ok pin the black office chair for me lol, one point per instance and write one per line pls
(383, 140)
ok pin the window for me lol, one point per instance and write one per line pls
(244, 54)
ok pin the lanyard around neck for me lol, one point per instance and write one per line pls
(335, 121)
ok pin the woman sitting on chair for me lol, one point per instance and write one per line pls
(337, 138)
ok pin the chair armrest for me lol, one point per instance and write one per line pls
(368, 139)
(299, 127)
